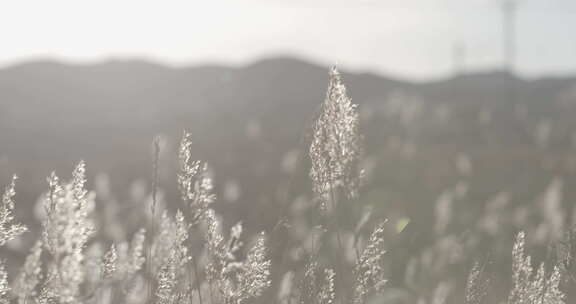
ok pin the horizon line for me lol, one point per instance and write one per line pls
(346, 68)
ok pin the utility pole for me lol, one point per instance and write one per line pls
(509, 8)
(459, 59)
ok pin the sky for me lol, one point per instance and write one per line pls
(403, 38)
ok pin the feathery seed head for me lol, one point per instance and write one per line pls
(477, 285)
(236, 280)
(530, 288)
(317, 286)
(8, 229)
(110, 262)
(369, 271)
(327, 292)
(174, 256)
(67, 228)
(30, 274)
(4, 287)
(136, 254)
(335, 150)
(193, 181)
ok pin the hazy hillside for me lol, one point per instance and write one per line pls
(249, 122)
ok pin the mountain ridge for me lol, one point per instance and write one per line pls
(246, 120)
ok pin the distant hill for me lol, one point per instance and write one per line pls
(246, 121)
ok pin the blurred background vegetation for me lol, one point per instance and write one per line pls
(456, 165)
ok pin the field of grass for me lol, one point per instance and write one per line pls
(491, 235)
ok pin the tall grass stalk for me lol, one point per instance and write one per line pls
(335, 154)
(153, 206)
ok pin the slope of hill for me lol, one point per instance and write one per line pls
(248, 121)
